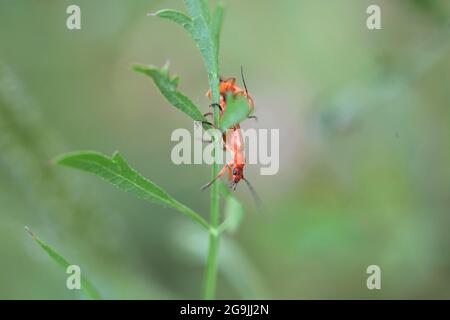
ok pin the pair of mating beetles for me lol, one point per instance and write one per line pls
(233, 140)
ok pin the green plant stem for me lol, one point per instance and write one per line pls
(211, 262)
(211, 266)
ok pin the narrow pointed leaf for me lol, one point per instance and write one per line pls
(168, 87)
(206, 41)
(116, 171)
(177, 17)
(206, 34)
(87, 287)
(216, 25)
(236, 111)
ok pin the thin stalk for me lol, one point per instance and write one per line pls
(211, 267)
(211, 262)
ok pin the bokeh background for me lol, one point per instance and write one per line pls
(364, 157)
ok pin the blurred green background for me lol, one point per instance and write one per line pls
(364, 155)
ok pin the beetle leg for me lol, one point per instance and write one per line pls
(221, 172)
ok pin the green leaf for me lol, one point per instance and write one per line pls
(177, 17)
(168, 87)
(236, 111)
(206, 41)
(86, 286)
(198, 8)
(216, 26)
(198, 26)
(116, 171)
(206, 34)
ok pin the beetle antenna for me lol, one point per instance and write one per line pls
(243, 79)
(255, 196)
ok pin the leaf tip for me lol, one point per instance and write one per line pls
(145, 69)
(165, 68)
(116, 156)
(138, 67)
(28, 230)
(157, 13)
(55, 160)
(60, 159)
